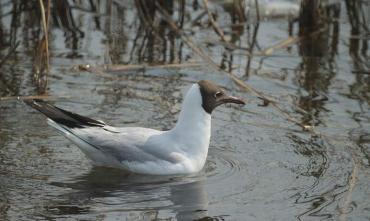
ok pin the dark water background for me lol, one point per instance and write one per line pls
(260, 165)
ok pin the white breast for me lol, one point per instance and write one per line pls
(186, 144)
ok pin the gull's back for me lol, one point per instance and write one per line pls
(137, 149)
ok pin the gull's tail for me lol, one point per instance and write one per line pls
(73, 127)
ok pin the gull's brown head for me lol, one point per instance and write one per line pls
(213, 96)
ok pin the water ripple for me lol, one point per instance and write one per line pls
(221, 167)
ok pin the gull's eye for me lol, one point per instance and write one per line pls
(218, 94)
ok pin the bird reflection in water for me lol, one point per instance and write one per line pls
(114, 193)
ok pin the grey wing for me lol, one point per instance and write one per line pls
(95, 137)
(131, 144)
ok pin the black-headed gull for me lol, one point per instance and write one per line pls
(181, 150)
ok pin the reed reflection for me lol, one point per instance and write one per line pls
(319, 33)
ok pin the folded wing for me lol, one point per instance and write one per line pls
(63, 117)
(102, 143)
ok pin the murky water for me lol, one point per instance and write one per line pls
(260, 165)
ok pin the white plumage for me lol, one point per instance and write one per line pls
(181, 150)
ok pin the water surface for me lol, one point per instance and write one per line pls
(260, 165)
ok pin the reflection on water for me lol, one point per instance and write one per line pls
(318, 49)
(260, 167)
(111, 191)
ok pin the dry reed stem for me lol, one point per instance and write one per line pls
(250, 57)
(144, 15)
(30, 97)
(227, 45)
(352, 183)
(213, 22)
(237, 81)
(200, 16)
(119, 67)
(287, 42)
(269, 50)
(10, 52)
(282, 44)
(131, 67)
(45, 28)
(257, 11)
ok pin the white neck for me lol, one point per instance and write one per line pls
(193, 127)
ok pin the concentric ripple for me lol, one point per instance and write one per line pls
(221, 166)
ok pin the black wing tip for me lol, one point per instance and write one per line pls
(32, 102)
(38, 100)
(62, 116)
